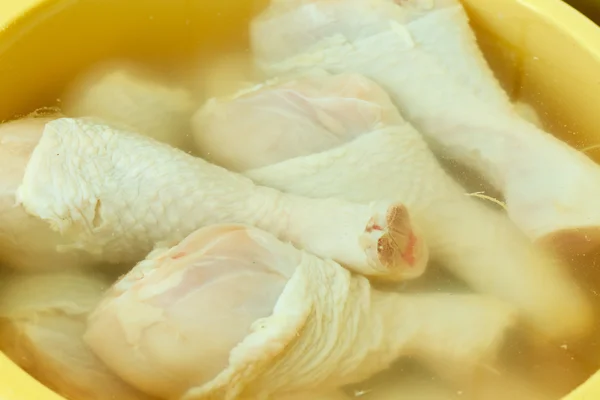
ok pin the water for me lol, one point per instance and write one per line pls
(526, 370)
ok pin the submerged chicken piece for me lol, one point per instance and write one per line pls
(335, 395)
(128, 96)
(42, 321)
(340, 136)
(26, 242)
(114, 195)
(225, 74)
(528, 113)
(499, 387)
(232, 312)
(425, 55)
(555, 367)
(412, 391)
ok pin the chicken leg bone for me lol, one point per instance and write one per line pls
(424, 54)
(340, 136)
(115, 195)
(232, 312)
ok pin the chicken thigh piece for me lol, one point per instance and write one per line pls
(232, 312)
(126, 95)
(26, 242)
(425, 55)
(340, 136)
(115, 195)
(42, 320)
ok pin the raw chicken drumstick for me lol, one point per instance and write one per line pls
(126, 95)
(340, 136)
(115, 195)
(42, 321)
(232, 312)
(425, 55)
(26, 242)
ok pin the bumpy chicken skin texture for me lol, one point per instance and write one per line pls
(425, 55)
(113, 195)
(378, 156)
(294, 322)
(26, 242)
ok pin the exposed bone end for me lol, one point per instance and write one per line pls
(401, 249)
(572, 241)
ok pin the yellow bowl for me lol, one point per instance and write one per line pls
(544, 51)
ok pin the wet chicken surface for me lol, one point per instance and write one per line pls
(279, 224)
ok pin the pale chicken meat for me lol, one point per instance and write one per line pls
(26, 242)
(424, 54)
(529, 113)
(42, 321)
(130, 96)
(270, 123)
(113, 195)
(232, 312)
(340, 136)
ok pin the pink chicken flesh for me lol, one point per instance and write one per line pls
(232, 312)
(340, 136)
(424, 54)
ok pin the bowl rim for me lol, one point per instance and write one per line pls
(569, 20)
(12, 12)
(555, 12)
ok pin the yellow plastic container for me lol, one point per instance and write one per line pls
(552, 54)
